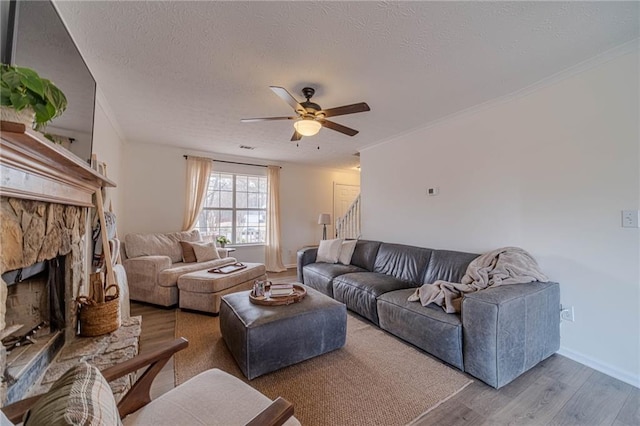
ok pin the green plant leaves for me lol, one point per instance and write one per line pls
(10, 78)
(22, 87)
(31, 80)
(44, 112)
(55, 96)
(19, 101)
(5, 95)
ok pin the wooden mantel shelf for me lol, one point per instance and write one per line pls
(31, 167)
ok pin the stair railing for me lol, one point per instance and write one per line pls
(348, 226)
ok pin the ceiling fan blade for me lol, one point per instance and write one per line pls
(251, 120)
(286, 96)
(338, 127)
(296, 136)
(346, 109)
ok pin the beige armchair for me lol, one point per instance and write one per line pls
(154, 262)
(211, 398)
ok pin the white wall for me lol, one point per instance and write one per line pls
(154, 193)
(305, 192)
(109, 148)
(155, 196)
(550, 172)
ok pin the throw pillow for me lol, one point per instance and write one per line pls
(205, 251)
(81, 396)
(188, 255)
(329, 251)
(346, 251)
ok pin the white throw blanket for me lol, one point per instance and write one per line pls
(507, 265)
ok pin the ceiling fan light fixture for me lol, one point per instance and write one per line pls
(307, 126)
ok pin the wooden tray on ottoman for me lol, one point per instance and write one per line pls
(299, 292)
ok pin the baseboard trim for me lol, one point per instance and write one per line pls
(602, 367)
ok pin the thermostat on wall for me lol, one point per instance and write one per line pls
(433, 191)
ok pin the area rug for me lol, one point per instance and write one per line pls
(375, 379)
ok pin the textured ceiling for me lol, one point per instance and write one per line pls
(185, 73)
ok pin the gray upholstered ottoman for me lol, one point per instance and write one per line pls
(263, 339)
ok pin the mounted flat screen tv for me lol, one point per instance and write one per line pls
(35, 36)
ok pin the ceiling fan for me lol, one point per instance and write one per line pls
(310, 117)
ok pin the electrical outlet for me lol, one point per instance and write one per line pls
(566, 313)
(630, 218)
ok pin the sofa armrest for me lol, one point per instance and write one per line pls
(508, 329)
(275, 414)
(139, 395)
(143, 271)
(123, 251)
(306, 256)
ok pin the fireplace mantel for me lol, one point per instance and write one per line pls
(33, 168)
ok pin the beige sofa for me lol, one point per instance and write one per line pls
(153, 263)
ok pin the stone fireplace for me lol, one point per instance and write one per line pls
(35, 233)
(45, 196)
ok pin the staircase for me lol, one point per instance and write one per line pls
(348, 226)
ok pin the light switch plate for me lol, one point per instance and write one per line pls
(630, 218)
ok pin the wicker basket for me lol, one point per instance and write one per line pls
(97, 319)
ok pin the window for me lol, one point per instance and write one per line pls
(236, 207)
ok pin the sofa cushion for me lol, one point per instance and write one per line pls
(205, 251)
(169, 277)
(447, 265)
(406, 263)
(210, 398)
(159, 244)
(320, 275)
(428, 327)
(329, 251)
(364, 255)
(81, 396)
(360, 291)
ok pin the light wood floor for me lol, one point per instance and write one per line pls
(557, 391)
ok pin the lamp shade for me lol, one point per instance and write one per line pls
(324, 219)
(307, 126)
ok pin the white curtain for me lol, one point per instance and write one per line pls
(198, 171)
(273, 257)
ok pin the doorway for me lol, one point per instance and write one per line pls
(343, 196)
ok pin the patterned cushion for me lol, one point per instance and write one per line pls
(81, 396)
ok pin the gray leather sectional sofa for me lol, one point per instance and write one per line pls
(501, 333)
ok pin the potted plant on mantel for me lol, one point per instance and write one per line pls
(27, 98)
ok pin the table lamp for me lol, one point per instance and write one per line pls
(324, 219)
